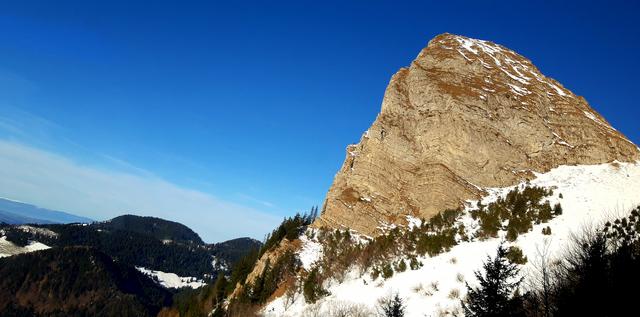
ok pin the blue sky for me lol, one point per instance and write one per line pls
(139, 107)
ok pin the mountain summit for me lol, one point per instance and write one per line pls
(474, 151)
(466, 115)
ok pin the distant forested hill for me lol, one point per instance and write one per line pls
(233, 250)
(147, 242)
(90, 269)
(76, 281)
(16, 219)
(155, 227)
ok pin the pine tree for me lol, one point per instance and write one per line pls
(402, 266)
(220, 288)
(392, 307)
(312, 287)
(557, 209)
(387, 271)
(497, 294)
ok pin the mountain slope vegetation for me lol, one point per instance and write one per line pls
(76, 281)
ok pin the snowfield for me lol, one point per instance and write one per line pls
(7, 248)
(310, 253)
(219, 264)
(172, 280)
(590, 195)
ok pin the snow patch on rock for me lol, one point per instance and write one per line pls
(311, 250)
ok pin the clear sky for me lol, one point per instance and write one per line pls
(227, 117)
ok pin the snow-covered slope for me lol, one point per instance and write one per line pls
(172, 280)
(590, 195)
(7, 248)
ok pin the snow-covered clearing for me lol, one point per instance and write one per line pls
(172, 280)
(7, 248)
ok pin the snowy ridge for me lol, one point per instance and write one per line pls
(590, 195)
(13, 200)
(172, 280)
(40, 231)
(521, 71)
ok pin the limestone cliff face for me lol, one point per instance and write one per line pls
(465, 115)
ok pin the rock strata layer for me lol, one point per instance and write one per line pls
(465, 115)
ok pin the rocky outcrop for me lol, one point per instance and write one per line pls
(268, 258)
(465, 115)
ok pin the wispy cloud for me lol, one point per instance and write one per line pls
(22, 124)
(256, 200)
(54, 181)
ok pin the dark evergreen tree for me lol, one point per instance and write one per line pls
(312, 287)
(290, 228)
(584, 286)
(392, 307)
(402, 266)
(497, 294)
(220, 288)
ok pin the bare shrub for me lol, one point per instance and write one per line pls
(239, 309)
(313, 310)
(420, 289)
(542, 277)
(347, 309)
(292, 293)
(455, 311)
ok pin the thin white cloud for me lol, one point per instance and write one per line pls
(256, 200)
(50, 180)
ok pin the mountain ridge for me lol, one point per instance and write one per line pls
(22, 213)
(465, 115)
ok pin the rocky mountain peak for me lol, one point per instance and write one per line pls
(466, 115)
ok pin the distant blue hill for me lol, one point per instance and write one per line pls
(13, 212)
(15, 219)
